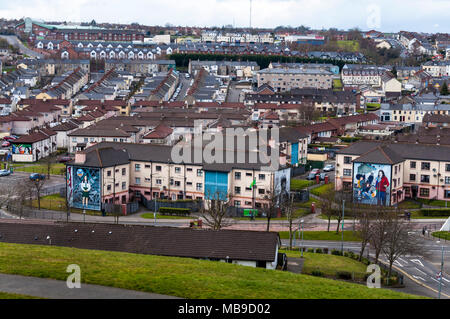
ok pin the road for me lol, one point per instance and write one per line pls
(233, 93)
(185, 84)
(420, 270)
(15, 42)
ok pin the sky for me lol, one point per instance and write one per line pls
(430, 16)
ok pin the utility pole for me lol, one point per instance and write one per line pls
(343, 218)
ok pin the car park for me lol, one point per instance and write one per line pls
(328, 168)
(4, 172)
(37, 177)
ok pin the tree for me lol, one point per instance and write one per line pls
(214, 215)
(48, 163)
(363, 229)
(444, 89)
(378, 231)
(328, 206)
(398, 241)
(37, 186)
(290, 210)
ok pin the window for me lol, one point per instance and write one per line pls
(158, 168)
(424, 178)
(199, 186)
(124, 185)
(137, 167)
(147, 166)
(108, 173)
(347, 159)
(425, 166)
(447, 194)
(262, 177)
(138, 180)
(199, 172)
(447, 179)
(248, 174)
(395, 183)
(189, 169)
(237, 175)
(237, 203)
(177, 170)
(124, 171)
(347, 172)
(248, 188)
(177, 183)
(237, 190)
(108, 187)
(447, 167)
(424, 192)
(412, 177)
(158, 182)
(261, 191)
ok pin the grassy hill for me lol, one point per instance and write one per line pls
(182, 277)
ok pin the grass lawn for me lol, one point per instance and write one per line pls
(442, 234)
(409, 204)
(434, 202)
(322, 189)
(337, 84)
(323, 235)
(158, 216)
(58, 203)
(298, 184)
(7, 295)
(418, 215)
(182, 277)
(56, 169)
(350, 45)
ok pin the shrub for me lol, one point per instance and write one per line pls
(325, 251)
(174, 211)
(318, 251)
(317, 273)
(336, 252)
(344, 275)
(310, 250)
(435, 212)
(346, 254)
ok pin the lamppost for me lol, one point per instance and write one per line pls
(343, 219)
(442, 270)
(301, 223)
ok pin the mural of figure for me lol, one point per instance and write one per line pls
(381, 186)
(85, 188)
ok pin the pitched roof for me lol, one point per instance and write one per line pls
(380, 155)
(163, 241)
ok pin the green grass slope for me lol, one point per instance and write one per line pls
(182, 277)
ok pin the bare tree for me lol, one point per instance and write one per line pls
(378, 231)
(328, 206)
(272, 207)
(37, 186)
(363, 229)
(48, 164)
(289, 208)
(398, 241)
(214, 215)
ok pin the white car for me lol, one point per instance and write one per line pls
(328, 168)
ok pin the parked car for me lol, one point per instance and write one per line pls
(65, 159)
(9, 138)
(6, 144)
(4, 151)
(328, 168)
(312, 176)
(37, 177)
(322, 176)
(4, 172)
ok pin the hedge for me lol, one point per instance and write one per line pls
(435, 212)
(174, 211)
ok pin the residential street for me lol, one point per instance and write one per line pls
(14, 41)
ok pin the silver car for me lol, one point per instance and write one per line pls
(4, 172)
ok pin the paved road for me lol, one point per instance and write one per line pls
(420, 270)
(57, 289)
(185, 84)
(14, 41)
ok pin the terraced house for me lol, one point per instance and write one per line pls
(416, 170)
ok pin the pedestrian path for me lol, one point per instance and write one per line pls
(57, 289)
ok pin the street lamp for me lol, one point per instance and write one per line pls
(442, 270)
(301, 223)
(343, 219)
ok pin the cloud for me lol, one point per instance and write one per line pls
(413, 15)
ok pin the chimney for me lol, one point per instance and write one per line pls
(80, 158)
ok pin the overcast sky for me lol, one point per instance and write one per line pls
(383, 15)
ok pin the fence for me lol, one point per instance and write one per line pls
(154, 205)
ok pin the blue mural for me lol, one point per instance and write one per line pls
(84, 187)
(371, 183)
(216, 185)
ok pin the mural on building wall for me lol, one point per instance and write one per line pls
(372, 184)
(282, 184)
(83, 187)
(23, 149)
